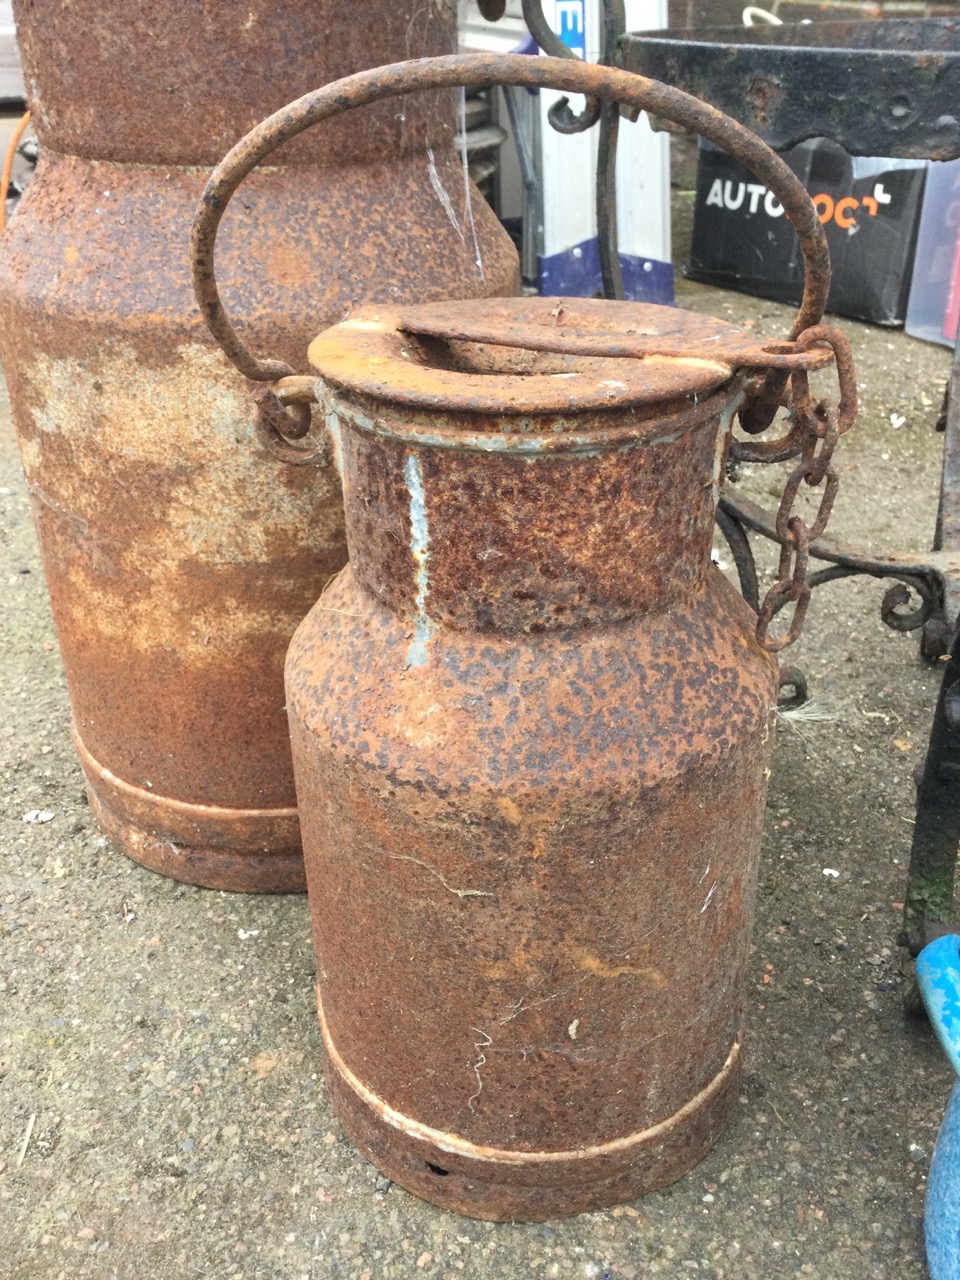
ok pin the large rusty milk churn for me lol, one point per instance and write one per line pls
(180, 555)
(531, 720)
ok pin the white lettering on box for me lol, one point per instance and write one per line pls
(716, 193)
(756, 191)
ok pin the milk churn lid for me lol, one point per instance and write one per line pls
(536, 355)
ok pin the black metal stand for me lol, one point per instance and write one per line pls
(877, 88)
(936, 834)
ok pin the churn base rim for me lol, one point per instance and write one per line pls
(237, 850)
(442, 1169)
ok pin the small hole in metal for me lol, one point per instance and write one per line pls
(435, 1168)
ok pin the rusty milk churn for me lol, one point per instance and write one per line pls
(531, 721)
(180, 556)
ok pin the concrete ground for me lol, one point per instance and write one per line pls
(162, 1112)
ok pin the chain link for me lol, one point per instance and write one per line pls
(820, 427)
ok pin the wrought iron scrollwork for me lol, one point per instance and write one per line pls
(560, 115)
(791, 678)
(737, 517)
(607, 114)
(735, 535)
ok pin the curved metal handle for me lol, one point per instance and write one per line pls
(594, 81)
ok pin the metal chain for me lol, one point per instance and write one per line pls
(820, 427)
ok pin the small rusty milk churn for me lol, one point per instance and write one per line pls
(179, 553)
(531, 720)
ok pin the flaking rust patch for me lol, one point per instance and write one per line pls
(600, 969)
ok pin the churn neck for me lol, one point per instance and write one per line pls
(508, 488)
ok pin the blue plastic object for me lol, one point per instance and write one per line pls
(938, 975)
(575, 273)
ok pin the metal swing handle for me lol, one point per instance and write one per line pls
(592, 80)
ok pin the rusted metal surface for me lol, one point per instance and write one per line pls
(531, 723)
(165, 83)
(535, 356)
(541, 354)
(586, 327)
(180, 554)
(602, 83)
(815, 431)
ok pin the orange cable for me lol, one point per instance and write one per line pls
(8, 166)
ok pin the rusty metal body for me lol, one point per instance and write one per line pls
(180, 556)
(531, 723)
(530, 720)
